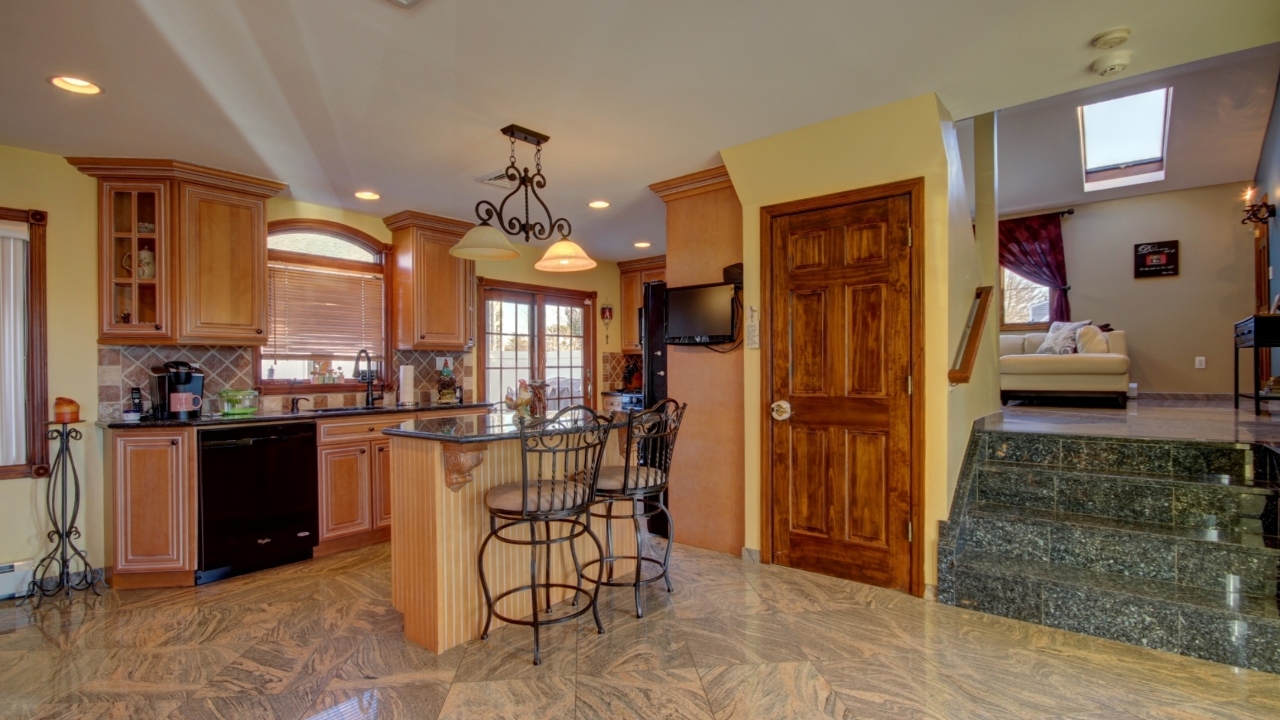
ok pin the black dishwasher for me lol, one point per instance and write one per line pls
(258, 498)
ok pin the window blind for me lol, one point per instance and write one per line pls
(316, 314)
(13, 347)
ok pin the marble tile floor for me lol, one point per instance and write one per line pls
(736, 640)
(1208, 420)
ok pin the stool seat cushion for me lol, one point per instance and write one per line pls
(641, 478)
(547, 496)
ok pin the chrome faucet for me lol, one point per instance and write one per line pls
(368, 376)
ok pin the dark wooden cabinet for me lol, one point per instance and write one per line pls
(635, 273)
(432, 292)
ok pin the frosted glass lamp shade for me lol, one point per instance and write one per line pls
(484, 242)
(565, 256)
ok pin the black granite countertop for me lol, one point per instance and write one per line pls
(304, 416)
(489, 427)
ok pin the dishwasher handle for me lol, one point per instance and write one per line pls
(242, 442)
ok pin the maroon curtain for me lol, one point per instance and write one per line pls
(1032, 248)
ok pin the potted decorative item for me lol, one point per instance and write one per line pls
(447, 387)
(519, 400)
(538, 398)
(66, 410)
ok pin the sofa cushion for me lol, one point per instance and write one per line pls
(1074, 364)
(1061, 339)
(1090, 339)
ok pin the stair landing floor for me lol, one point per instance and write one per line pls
(1209, 420)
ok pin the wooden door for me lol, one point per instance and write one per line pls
(345, 490)
(1262, 286)
(134, 262)
(841, 347)
(381, 482)
(632, 299)
(443, 291)
(224, 267)
(154, 500)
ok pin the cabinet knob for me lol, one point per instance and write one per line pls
(361, 451)
(157, 326)
(259, 331)
(422, 337)
(173, 442)
(370, 429)
(381, 449)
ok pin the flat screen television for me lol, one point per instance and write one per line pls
(701, 315)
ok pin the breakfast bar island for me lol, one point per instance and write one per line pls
(441, 470)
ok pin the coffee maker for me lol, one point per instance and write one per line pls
(177, 390)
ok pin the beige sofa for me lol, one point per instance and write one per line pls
(1024, 375)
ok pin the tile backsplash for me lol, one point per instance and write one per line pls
(618, 367)
(123, 368)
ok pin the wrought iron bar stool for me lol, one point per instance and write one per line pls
(561, 462)
(638, 486)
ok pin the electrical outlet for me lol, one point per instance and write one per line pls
(1199, 363)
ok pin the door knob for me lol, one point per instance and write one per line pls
(780, 410)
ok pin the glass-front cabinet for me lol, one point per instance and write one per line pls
(135, 259)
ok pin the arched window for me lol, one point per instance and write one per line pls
(326, 301)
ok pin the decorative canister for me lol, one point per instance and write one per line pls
(447, 387)
(538, 398)
(66, 410)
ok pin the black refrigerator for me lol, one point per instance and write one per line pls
(653, 348)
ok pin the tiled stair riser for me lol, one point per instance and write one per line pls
(1150, 456)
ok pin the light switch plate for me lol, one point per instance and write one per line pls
(753, 327)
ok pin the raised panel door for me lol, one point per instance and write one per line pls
(224, 267)
(345, 490)
(381, 483)
(442, 288)
(632, 299)
(154, 499)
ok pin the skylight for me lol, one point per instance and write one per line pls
(1124, 139)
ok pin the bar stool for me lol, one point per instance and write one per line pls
(561, 461)
(638, 486)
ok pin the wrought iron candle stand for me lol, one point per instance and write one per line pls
(62, 500)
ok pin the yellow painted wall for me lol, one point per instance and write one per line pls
(904, 140)
(38, 181)
(282, 208)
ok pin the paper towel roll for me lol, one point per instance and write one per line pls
(408, 387)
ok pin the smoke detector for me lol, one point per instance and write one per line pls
(497, 178)
(1111, 64)
(1108, 39)
(405, 3)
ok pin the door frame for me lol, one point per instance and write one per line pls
(768, 214)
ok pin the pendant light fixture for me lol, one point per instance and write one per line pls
(487, 242)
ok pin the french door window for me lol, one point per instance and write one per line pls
(533, 333)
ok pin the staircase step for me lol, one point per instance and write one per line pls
(1221, 501)
(1237, 628)
(1219, 560)
(1108, 454)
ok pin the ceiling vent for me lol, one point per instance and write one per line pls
(497, 178)
(405, 3)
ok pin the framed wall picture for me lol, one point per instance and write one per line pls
(1155, 259)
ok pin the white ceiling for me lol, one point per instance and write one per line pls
(1216, 126)
(333, 96)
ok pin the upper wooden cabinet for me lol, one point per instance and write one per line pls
(182, 252)
(635, 273)
(432, 292)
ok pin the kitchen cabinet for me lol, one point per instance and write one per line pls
(381, 482)
(432, 293)
(153, 506)
(635, 273)
(345, 490)
(182, 252)
(612, 404)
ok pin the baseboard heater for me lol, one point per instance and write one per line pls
(15, 579)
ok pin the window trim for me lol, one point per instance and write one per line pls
(37, 464)
(1015, 327)
(539, 293)
(355, 237)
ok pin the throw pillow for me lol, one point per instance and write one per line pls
(1061, 339)
(1090, 339)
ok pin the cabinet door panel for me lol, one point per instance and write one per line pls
(154, 496)
(224, 261)
(134, 262)
(345, 490)
(381, 483)
(442, 295)
(632, 297)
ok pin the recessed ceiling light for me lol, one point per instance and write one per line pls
(642, 244)
(75, 85)
(367, 195)
(598, 204)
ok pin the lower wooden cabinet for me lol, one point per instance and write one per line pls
(381, 483)
(153, 501)
(346, 473)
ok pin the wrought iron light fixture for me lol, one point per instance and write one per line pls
(1258, 213)
(487, 242)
